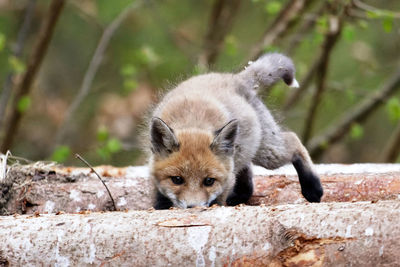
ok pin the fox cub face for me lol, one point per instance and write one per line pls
(192, 167)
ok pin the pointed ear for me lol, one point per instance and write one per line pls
(163, 139)
(224, 141)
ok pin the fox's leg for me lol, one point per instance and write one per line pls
(243, 187)
(162, 202)
(274, 153)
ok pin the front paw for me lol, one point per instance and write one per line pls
(311, 188)
(162, 202)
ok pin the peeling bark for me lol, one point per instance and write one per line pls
(29, 189)
(325, 234)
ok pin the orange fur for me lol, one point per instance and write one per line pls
(194, 161)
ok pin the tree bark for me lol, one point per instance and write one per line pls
(325, 234)
(30, 189)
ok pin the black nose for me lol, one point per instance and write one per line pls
(190, 206)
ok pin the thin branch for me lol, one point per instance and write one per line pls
(279, 26)
(221, 21)
(296, 94)
(309, 23)
(98, 176)
(180, 41)
(365, 7)
(392, 149)
(34, 63)
(17, 52)
(92, 69)
(357, 114)
(331, 39)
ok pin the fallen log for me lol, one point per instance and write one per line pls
(325, 234)
(49, 189)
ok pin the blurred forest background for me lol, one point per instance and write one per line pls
(78, 76)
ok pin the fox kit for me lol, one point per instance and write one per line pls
(208, 130)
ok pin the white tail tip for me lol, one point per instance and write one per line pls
(294, 84)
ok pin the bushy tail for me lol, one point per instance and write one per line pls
(269, 69)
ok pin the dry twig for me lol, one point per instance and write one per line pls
(98, 176)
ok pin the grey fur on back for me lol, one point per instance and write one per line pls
(224, 97)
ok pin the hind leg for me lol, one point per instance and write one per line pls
(243, 187)
(289, 148)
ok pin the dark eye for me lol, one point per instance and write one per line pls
(208, 181)
(177, 180)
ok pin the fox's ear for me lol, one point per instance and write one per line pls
(224, 141)
(163, 139)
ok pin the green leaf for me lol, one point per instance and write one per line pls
(348, 33)
(102, 134)
(113, 145)
(198, 69)
(2, 41)
(363, 24)
(103, 153)
(130, 85)
(23, 104)
(61, 154)
(393, 109)
(372, 14)
(16, 65)
(318, 38)
(387, 23)
(148, 56)
(322, 24)
(270, 48)
(356, 131)
(231, 46)
(128, 70)
(273, 7)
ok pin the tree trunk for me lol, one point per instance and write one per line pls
(31, 189)
(325, 234)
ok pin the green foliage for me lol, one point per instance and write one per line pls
(113, 145)
(386, 16)
(348, 32)
(108, 145)
(2, 41)
(387, 23)
(16, 64)
(61, 154)
(23, 104)
(102, 134)
(129, 75)
(109, 10)
(393, 109)
(231, 45)
(273, 7)
(147, 56)
(322, 24)
(356, 131)
(270, 48)
(128, 70)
